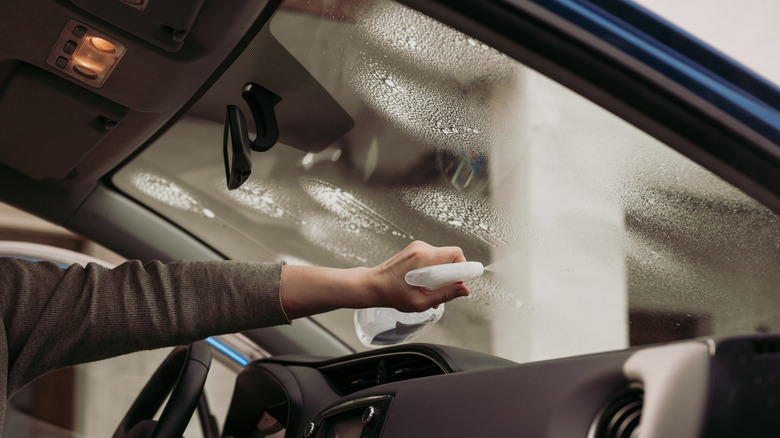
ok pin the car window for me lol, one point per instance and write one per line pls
(597, 236)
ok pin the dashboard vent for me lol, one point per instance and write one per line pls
(620, 418)
(357, 374)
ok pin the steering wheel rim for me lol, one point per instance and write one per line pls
(182, 375)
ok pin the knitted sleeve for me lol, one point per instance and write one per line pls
(55, 317)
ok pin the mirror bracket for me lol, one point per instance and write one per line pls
(237, 145)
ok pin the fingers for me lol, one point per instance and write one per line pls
(453, 291)
(442, 295)
(391, 290)
(455, 252)
(420, 254)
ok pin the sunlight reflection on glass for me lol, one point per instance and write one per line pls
(169, 193)
(312, 159)
(263, 198)
(353, 214)
(470, 215)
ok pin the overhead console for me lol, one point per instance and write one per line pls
(164, 23)
(84, 84)
(704, 387)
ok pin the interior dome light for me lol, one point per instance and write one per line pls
(85, 71)
(102, 45)
(85, 53)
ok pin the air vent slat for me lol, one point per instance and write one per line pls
(355, 375)
(620, 418)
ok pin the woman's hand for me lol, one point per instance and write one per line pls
(387, 280)
(308, 290)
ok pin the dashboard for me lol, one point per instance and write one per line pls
(703, 387)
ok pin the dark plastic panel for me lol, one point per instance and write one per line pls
(109, 218)
(308, 117)
(559, 398)
(39, 112)
(554, 399)
(164, 23)
(745, 386)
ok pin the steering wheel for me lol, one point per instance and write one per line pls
(182, 374)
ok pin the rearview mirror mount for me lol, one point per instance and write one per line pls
(237, 146)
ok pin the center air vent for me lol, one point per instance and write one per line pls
(620, 418)
(354, 375)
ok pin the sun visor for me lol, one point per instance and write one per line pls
(308, 117)
(41, 114)
(164, 23)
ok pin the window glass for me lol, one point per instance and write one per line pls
(596, 235)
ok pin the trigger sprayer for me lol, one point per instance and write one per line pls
(384, 326)
(436, 276)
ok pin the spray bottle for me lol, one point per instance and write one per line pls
(384, 326)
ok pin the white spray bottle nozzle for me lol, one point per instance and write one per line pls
(436, 276)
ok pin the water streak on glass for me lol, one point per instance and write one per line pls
(356, 248)
(169, 193)
(487, 295)
(354, 216)
(419, 108)
(399, 75)
(467, 214)
(261, 197)
(418, 40)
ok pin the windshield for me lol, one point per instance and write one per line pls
(597, 236)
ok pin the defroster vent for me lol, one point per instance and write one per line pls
(355, 375)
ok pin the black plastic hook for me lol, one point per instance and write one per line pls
(237, 146)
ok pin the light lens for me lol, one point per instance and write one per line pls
(94, 58)
(102, 45)
(85, 71)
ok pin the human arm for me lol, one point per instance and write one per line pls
(307, 290)
(54, 317)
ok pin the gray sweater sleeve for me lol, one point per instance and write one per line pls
(56, 317)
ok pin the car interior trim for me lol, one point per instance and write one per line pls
(444, 369)
(227, 351)
(675, 379)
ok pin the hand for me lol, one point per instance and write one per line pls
(308, 290)
(391, 290)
